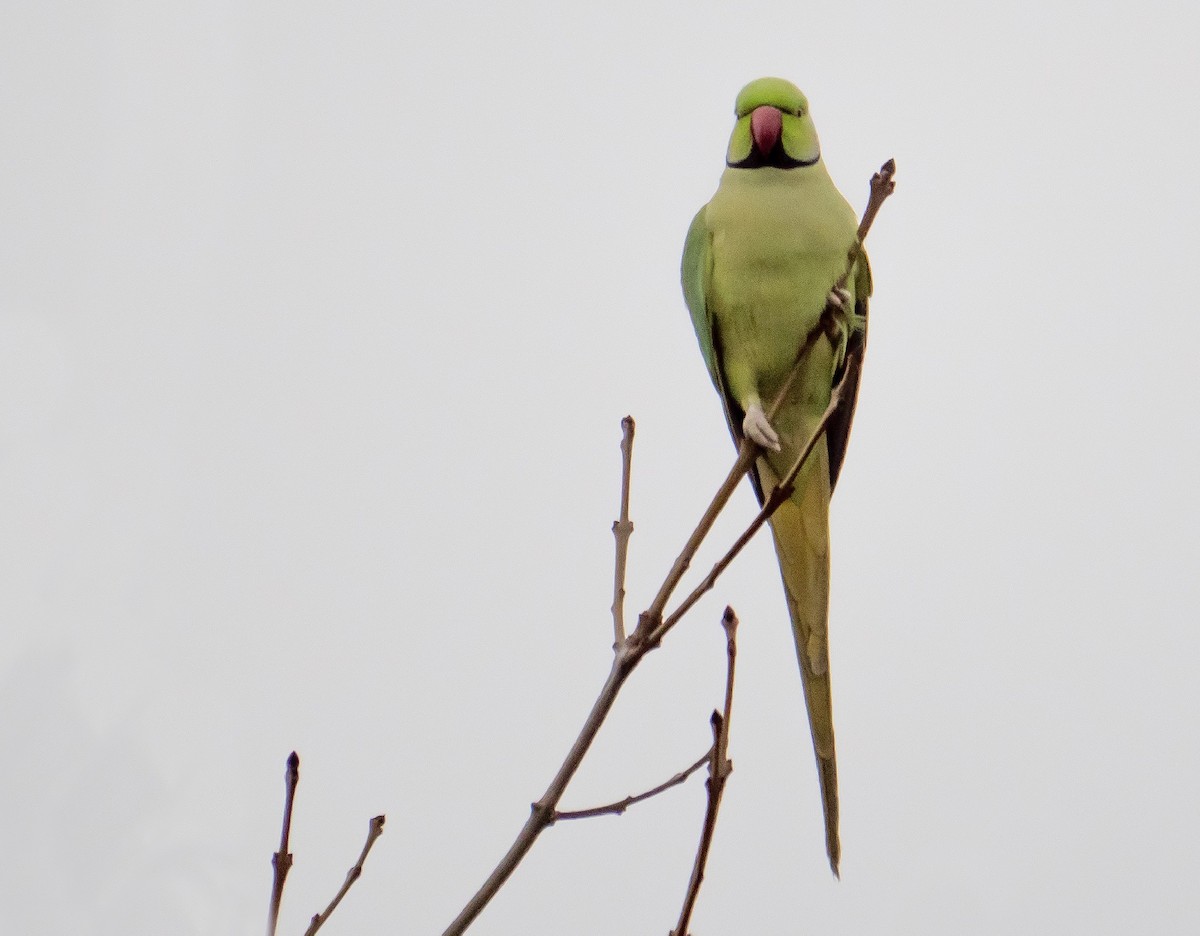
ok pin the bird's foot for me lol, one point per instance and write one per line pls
(840, 306)
(756, 428)
(839, 300)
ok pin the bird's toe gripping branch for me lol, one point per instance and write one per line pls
(839, 300)
(839, 307)
(841, 321)
(757, 428)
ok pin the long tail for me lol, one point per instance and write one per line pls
(801, 528)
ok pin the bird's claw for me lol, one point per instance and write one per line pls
(756, 428)
(839, 300)
(843, 319)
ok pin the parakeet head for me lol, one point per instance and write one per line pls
(773, 127)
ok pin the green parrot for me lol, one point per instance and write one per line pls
(759, 267)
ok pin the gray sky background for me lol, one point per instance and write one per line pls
(316, 326)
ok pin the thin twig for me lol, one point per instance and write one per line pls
(541, 813)
(729, 621)
(373, 832)
(883, 184)
(719, 769)
(627, 657)
(622, 528)
(652, 616)
(617, 808)
(281, 861)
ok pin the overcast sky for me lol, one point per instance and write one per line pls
(317, 322)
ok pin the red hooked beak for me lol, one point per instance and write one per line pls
(766, 124)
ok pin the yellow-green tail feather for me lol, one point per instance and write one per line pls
(801, 528)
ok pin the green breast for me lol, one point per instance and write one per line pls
(779, 243)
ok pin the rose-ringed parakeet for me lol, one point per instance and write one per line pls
(759, 266)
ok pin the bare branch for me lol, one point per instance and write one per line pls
(622, 529)
(652, 616)
(541, 813)
(719, 769)
(373, 832)
(617, 808)
(281, 861)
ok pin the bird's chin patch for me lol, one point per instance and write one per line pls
(777, 158)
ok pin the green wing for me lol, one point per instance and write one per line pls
(837, 433)
(697, 267)
(697, 270)
(696, 273)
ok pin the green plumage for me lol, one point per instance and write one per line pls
(758, 266)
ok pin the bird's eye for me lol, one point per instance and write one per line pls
(799, 111)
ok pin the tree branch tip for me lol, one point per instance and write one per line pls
(622, 529)
(293, 761)
(884, 181)
(729, 622)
